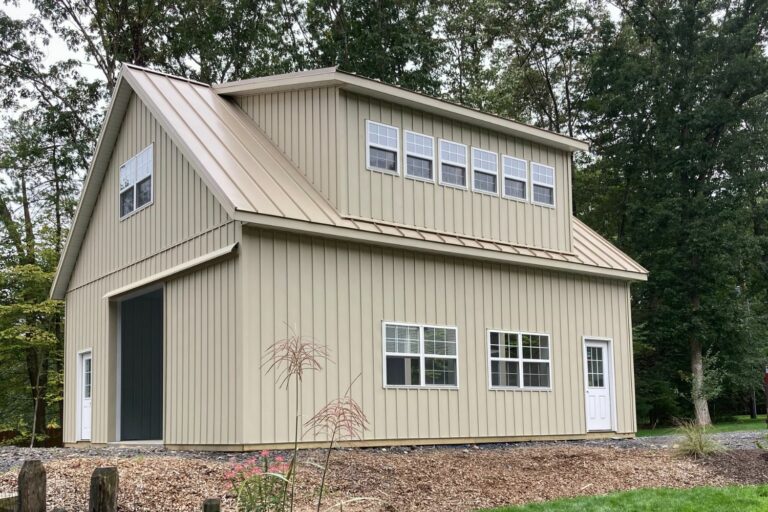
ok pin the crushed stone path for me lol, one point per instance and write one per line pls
(12, 457)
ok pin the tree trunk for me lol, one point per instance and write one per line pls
(38, 380)
(697, 384)
(753, 406)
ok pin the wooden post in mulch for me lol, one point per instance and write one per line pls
(212, 505)
(103, 490)
(31, 496)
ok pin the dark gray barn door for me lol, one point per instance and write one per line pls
(141, 368)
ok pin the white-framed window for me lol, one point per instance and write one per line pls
(453, 164)
(420, 355)
(485, 170)
(518, 360)
(136, 183)
(382, 147)
(515, 177)
(542, 184)
(419, 156)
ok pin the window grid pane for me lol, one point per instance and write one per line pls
(403, 371)
(382, 135)
(515, 168)
(439, 341)
(144, 192)
(505, 373)
(453, 153)
(420, 145)
(595, 373)
(382, 159)
(440, 372)
(504, 345)
(543, 174)
(485, 182)
(419, 167)
(126, 202)
(543, 194)
(514, 188)
(127, 174)
(403, 339)
(454, 175)
(535, 346)
(484, 160)
(535, 375)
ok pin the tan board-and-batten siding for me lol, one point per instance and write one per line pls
(339, 293)
(184, 222)
(322, 130)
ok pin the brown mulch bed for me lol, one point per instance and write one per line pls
(424, 480)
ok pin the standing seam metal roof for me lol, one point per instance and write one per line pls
(250, 175)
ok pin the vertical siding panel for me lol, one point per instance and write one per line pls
(116, 253)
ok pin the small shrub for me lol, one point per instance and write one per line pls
(259, 483)
(697, 442)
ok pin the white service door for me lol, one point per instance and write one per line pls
(85, 396)
(598, 382)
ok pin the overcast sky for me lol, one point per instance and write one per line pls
(57, 49)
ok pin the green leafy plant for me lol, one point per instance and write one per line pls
(697, 441)
(259, 483)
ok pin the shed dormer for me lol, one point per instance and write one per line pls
(381, 153)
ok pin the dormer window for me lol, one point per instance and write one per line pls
(419, 156)
(484, 171)
(382, 147)
(515, 177)
(453, 164)
(543, 184)
(136, 186)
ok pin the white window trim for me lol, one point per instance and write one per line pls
(368, 145)
(611, 378)
(151, 149)
(465, 165)
(520, 360)
(421, 355)
(504, 178)
(79, 401)
(534, 182)
(484, 171)
(406, 154)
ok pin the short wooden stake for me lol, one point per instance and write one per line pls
(31, 487)
(212, 505)
(103, 490)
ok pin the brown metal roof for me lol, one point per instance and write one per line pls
(256, 183)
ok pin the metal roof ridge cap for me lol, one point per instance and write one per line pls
(163, 73)
(308, 75)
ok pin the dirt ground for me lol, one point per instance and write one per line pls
(440, 479)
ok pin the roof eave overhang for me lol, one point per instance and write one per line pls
(373, 88)
(382, 239)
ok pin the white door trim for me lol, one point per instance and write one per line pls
(79, 395)
(611, 376)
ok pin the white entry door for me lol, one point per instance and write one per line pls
(85, 395)
(598, 385)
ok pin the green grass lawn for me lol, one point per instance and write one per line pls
(699, 499)
(740, 424)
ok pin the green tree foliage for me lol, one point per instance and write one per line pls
(676, 107)
(388, 40)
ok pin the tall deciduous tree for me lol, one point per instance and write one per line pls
(389, 40)
(674, 94)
